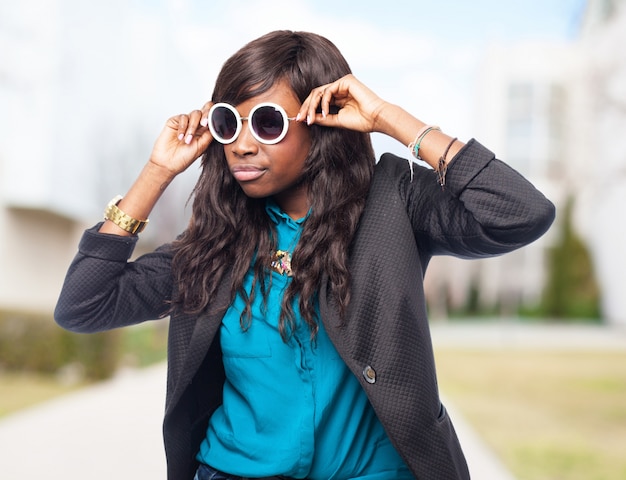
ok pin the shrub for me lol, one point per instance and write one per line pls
(34, 342)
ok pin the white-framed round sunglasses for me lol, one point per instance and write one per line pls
(268, 122)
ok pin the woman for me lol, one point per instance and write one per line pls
(299, 345)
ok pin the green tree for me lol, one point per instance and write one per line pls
(571, 291)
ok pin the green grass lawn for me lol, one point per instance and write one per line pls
(549, 415)
(139, 346)
(23, 390)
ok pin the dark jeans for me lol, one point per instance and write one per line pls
(209, 473)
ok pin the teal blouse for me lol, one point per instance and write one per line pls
(291, 408)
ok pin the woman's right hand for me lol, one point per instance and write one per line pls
(183, 139)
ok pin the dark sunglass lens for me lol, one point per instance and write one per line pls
(267, 122)
(224, 123)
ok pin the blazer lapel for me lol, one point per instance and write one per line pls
(204, 332)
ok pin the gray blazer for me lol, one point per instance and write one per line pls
(486, 209)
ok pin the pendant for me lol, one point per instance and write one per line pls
(281, 262)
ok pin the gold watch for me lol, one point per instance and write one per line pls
(122, 220)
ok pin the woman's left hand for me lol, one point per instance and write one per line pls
(359, 107)
(362, 110)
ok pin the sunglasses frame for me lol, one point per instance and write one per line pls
(240, 120)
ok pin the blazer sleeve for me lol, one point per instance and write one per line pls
(486, 208)
(103, 290)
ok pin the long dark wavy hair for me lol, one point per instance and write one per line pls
(229, 231)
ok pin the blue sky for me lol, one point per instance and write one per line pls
(473, 20)
(112, 72)
(422, 54)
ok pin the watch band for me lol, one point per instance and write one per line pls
(121, 219)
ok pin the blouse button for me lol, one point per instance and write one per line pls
(369, 374)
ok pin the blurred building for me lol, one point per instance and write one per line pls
(557, 114)
(522, 113)
(74, 132)
(600, 145)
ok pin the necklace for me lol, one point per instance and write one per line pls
(281, 262)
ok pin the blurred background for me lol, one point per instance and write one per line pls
(85, 88)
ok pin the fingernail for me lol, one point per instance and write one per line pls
(298, 117)
(204, 121)
(188, 139)
(323, 114)
(180, 136)
(308, 119)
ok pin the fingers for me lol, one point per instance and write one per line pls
(181, 122)
(336, 104)
(191, 125)
(204, 121)
(344, 103)
(317, 105)
(188, 125)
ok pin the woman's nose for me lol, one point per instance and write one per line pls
(245, 144)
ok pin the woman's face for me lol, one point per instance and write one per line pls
(272, 170)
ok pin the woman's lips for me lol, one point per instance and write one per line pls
(247, 173)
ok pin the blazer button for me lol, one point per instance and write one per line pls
(369, 374)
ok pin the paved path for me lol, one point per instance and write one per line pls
(512, 334)
(109, 431)
(113, 430)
